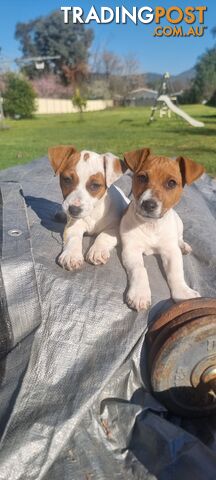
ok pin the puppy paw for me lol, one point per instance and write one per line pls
(97, 256)
(139, 299)
(70, 261)
(184, 293)
(185, 248)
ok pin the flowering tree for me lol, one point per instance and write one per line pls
(50, 86)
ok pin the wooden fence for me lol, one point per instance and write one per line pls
(54, 105)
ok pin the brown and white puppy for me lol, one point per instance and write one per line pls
(151, 226)
(90, 207)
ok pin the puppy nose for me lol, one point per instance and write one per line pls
(149, 205)
(77, 202)
(74, 210)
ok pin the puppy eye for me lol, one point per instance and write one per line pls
(171, 184)
(94, 186)
(67, 180)
(143, 178)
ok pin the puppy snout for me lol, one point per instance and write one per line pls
(74, 210)
(149, 205)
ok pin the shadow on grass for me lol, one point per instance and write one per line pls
(209, 132)
(201, 150)
(126, 120)
(207, 116)
(141, 124)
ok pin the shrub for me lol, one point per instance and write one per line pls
(79, 102)
(190, 96)
(19, 97)
(212, 101)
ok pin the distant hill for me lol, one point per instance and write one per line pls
(186, 75)
(153, 80)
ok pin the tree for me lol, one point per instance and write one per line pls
(205, 80)
(111, 64)
(19, 97)
(212, 100)
(111, 67)
(49, 36)
(121, 74)
(50, 86)
(131, 78)
(203, 86)
(76, 75)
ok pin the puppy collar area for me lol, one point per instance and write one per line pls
(145, 14)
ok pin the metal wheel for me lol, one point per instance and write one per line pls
(182, 357)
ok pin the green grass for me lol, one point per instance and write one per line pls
(117, 130)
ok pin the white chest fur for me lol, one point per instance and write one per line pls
(151, 234)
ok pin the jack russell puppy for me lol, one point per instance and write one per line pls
(85, 178)
(151, 226)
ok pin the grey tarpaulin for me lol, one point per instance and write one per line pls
(74, 398)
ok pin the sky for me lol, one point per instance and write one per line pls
(153, 53)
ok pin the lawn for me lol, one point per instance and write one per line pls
(116, 130)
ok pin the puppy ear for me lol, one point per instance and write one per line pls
(189, 169)
(114, 168)
(135, 159)
(58, 155)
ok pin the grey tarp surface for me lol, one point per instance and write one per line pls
(74, 398)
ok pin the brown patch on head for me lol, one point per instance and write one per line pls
(86, 156)
(96, 185)
(118, 166)
(64, 160)
(136, 158)
(189, 169)
(68, 181)
(58, 156)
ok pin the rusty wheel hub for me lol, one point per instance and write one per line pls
(181, 347)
